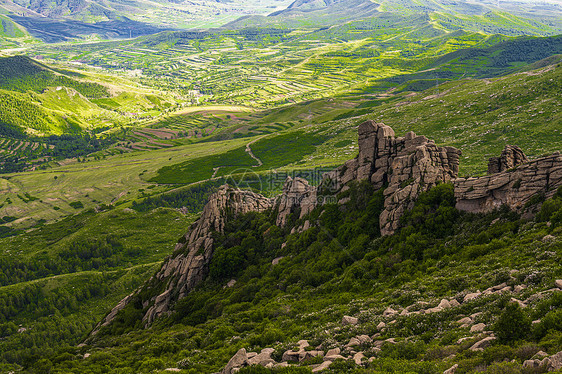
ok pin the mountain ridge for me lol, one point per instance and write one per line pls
(405, 168)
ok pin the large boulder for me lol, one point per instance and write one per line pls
(237, 361)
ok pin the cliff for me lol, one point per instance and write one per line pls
(515, 186)
(404, 166)
(188, 265)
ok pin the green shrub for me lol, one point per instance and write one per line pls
(513, 324)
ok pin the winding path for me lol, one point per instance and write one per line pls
(249, 151)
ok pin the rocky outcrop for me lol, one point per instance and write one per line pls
(514, 187)
(511, 157)
(188, 266)
(297, 195)
(406, 165)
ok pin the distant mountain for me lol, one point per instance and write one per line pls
(60, 20)
(313, 4)
(506, 17)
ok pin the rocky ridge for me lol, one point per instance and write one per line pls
(188, 266)
(514, 187)
(405, 166)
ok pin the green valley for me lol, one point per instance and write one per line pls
(341, 246)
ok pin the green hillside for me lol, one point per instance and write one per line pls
(342, 267)
(109, 150)
(44, 100)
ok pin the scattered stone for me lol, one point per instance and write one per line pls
(558, 283)
(499, 287)
(454, 303)
(358, 357)
(451, 370)
(290, 355)
(307, 355)
(322, 366)
(381, 326)
(519, 288)
(277, 259)
(434, 310)
(536, 321)
(175, 370)
(333, 352)
(465, 321)
(347, 320)
(521, 304)
(251, 355)
(333, 357)
(444, 304)
(263, 359)
(471, 296)
(353, 342)
(303, 344)
(86, 355)
(531, 364)
(363, 339)
(389, 312)
(505, 289)
(236, 362)
(484, 343)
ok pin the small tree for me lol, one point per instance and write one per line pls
(513, 324)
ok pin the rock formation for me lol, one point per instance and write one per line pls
(188, 266)
(404, 166)
(514, 186)
(511, 157)
(297, 194)
(407, 166)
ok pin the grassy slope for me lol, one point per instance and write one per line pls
(77, 291)
(328, 273)
(51, 100)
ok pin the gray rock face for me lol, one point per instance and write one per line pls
(511, 157)
(188, 268)
(408, 165)
(297, 194)
(514, 187)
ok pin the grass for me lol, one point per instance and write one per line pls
(115, 179)
(79, 289)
